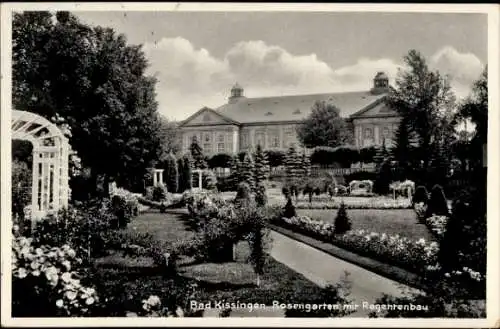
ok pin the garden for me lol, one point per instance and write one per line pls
(128, 245)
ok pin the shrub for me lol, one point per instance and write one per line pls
(421, 195)
(160, 193)
(243, 192)
(220, 160)
(187, 172)
(21, 188)
(342, 221)
(260, 195)
(226, 184)
(248, 170)
(261, 165)
(289, 210)
(123, 210)
(437, 205)
(47, 277)
(171, 173)
(149, 193)
(275, 158)
(384, 178)
(209, 180)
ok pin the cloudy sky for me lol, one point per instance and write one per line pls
(198, 56)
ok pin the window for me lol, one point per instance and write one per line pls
(221, 138)
(220, 148)
(207, 137)
(207, 147)
(259, 139)
(368, 133)
(385, 132)
(275, 141)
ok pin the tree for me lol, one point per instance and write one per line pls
(324, 127)
(275, 157)
(293, 164)
(197, 155)
(422, 97)
(437, 205)
(187, 172)
(401, 150)
(261, 165)
(180, 169)
(342, 221)
(220, 160)
(95, 81)
(475, 109)
(384, 178)
(170, 137)
(235, 174)
(171, 173)
(305, 165)
(247, 170)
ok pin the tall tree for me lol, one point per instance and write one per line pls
(324, 127)
(187, 173)
(248, 170)
(293, 165)
(306, 165)
(180, 168)
(197, 155)
(261, 165)
(475, 109)
(95, 81)
(171, 173)
(423, 97)
(170, 137)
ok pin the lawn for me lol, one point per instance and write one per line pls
(233, 281)
(390, 221)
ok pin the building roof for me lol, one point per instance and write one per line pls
(294, 107)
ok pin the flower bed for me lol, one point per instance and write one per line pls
(353, 203)
(392, 249)
(437, 225)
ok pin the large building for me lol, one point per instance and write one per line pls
(244, 122)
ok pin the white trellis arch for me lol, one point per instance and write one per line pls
(50, 188)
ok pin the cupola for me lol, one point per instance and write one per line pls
(236, 93)
(380, 83)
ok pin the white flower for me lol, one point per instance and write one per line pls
(89, 301)
(22, 273)
(71, 295)
(35, 273)
(66, 277)
(59, 303)
(66, 264)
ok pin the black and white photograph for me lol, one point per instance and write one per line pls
(250, 161)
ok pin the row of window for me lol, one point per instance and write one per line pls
(368, 132)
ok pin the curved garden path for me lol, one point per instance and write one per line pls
(322, 269)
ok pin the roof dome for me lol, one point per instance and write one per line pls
(237, 87)
(381, 75)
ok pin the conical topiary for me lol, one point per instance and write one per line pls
(437, 205)
(342, 221)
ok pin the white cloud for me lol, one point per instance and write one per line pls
(191, 78)
(463, 68)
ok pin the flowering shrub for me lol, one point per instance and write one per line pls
(393, 249)
(353, 203)
(131, 199)
(45, 276)
(437, 224)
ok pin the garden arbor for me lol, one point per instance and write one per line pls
(50, 186)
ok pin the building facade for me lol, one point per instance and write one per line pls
(243, 123)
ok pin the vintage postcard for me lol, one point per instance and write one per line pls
(183, 164)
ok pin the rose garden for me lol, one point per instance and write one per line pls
(144, 230)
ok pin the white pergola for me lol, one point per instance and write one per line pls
(50, 188)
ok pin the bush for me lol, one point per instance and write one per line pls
(289, 211)
(243, 193)
(438, 205)
(149, 193)
(260, 195)
(342, 221)
(344, 155)
(384, 178)
(124, 211)
(160, 193)
(209, 180)
(225, 184)
(421, 195)
(275, 158)
(220, 160)
(171, 173)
